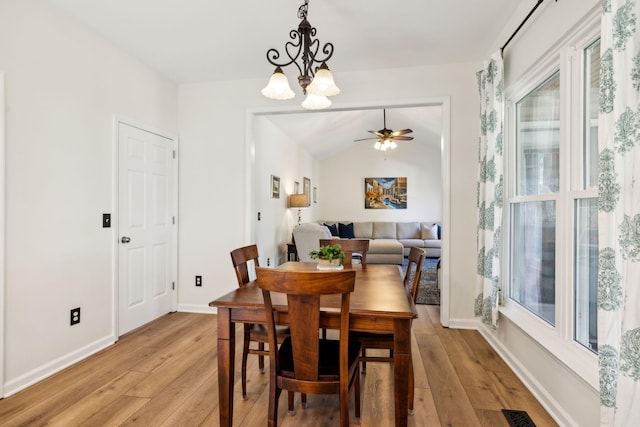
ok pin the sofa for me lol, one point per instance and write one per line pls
(391, 241)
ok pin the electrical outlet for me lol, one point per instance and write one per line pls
(198, 280)
(75, 316)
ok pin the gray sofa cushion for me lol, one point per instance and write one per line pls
(363, 230)
(408, 230)
(384, 230)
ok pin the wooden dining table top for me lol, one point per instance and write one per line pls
(378, 291)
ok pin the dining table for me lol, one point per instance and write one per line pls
(379, 304)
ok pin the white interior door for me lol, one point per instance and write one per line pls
(146, 273)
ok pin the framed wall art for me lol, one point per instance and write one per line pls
(275, 187)
(385, 193)
(306, 188)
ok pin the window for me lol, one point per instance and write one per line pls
(552, 209)
(586, 210)
(533, 216)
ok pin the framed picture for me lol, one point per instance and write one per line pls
(296, 187)
(306, 188)
(385, 193)
(315, 194)
(275, 187)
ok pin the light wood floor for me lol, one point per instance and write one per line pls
(165, 374)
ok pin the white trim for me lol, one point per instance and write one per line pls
(556, 411)
(117, 119)
(54, 366)
(2, 227)
(197, 308)
(445, 158)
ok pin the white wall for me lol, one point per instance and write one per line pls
(341, 189)
(63, 86)
(569, 398)
(213, 157)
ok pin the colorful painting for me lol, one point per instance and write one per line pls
(385, 193)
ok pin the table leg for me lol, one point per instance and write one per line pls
(401, 370)
(226, 352)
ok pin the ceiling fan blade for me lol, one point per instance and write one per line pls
(377, 133)
(364, 139)
(401, 132)
(402, 138)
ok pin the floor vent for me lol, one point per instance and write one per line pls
(518, 418)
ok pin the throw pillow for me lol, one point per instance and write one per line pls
(333, 229)
(430, 232)
(346, 231)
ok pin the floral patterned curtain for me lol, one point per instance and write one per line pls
(619, 214)
(490, 188)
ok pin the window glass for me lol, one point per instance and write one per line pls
(538, 139)
(533, 265)
(591, 108)
(586, 273)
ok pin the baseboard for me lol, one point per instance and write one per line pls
(465, 323)
(538, 391)
(44, 371)
(197, 308)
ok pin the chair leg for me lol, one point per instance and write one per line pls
(290, 396)
(245, 353)
(274, 395)
(261, 357)
(344, 404)
(303, 397)
(411, 387)
(364, 364)
(356, 392)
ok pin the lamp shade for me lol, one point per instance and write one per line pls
(323, 84)
(278, 86)
(315, 102)
(298, 201)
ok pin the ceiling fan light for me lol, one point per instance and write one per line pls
(377, 145)
(278, 86)
(315, 102)
(393, 144)
(323, 83)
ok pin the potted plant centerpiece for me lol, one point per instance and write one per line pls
(329, 257)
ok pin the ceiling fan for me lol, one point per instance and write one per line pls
(386, 138)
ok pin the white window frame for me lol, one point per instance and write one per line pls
(567, 57)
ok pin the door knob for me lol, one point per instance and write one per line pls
(125, 239)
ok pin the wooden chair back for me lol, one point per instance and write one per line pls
(351, 247)
(303, 290)
(416, 262)
(240, 258)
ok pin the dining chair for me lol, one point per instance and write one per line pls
(241, 259)
(385, 341)
(304, 362)
(353, 248)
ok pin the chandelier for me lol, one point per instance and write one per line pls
(316, 81)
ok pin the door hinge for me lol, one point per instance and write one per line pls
(174, 154)
(174, 219)
(173, 286)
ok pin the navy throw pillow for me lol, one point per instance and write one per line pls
(346, 231)
(333, 229)
(439, 232)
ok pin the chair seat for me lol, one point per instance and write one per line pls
(258, 330)
(329, 352)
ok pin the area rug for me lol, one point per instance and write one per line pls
(428, 292)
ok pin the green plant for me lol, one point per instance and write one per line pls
(329, 253)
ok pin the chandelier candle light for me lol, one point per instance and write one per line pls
(316, 81)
